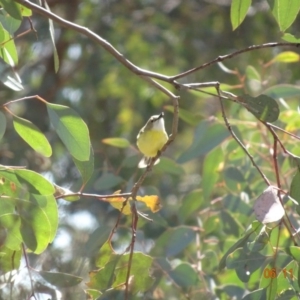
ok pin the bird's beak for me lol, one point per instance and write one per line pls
(161, 115)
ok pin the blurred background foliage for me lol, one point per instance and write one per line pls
(205, 192)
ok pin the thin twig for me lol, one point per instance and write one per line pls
(237, 139)
(275, 162)
(235, 53)
(100, 197)
(138, 184)
(128, 64)
(288, 224)
(278, 128)
(96, 38)
(134, 223)
(25, 98)
(29, 272)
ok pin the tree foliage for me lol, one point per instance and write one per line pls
(217, 217)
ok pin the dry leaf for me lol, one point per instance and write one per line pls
(117, 203)
(267, 207)
(152, 202)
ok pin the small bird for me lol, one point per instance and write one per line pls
(151, 138)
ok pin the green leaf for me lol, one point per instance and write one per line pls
(8, 49)
(103, 278)
(260, 241)
(92, 294)
(256, 295)
(114, 273)
(287, 294)
(295, 189)
(240, 243)
(210, 171)
(10, 185)
(234, 174)
(252, 73)
(96, 240)
(295, 252)
(39, 221)
(2, 34)
(12, 223)
(35, 227)
(287, 57)
(107, 181)
(32, 136)
(60, 280)
(238, 12)
(105, 254)
(86, 168)
(184, 275)
(141, 264)
(26, 12)
(207, 136)
(9, 259)
(6, 206)
(116, 142)
(253, 81)
(40, 200)
(173, 241)
(233, 291)
(235, 205)
(210, 261)
(71, 129)
(7, 57)
(190, 204)
(245, 264)
(2, 124)
(52, 35)
(285, 12)
(263, 107)
(51, 211)
(169, 166)
(283, 91)
(9, 23)
(290, 38)
(230, 224)
(34, 182)
(13, 8)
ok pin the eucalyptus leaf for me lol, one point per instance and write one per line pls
(32, 136)
(60, 280)
(238, 11)
(71, 129)
(2, 124)
(263, 107)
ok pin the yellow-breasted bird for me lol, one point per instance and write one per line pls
(151, 138)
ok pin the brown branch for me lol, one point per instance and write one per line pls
(100, 197)
(231, 55)
(237, 139)
(138, 184)
(278, 128)
(127, 63)
(96, 38)
(288, 224)
(29, 271)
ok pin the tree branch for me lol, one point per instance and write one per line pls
(235, 53)
(127, 63)
(96, 38)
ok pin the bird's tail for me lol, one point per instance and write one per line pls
(145, 161)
